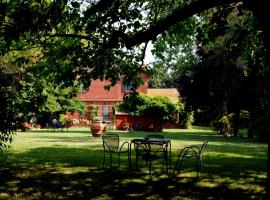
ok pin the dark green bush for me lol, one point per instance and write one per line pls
(225, 125)
(142, 105)
(186, 118)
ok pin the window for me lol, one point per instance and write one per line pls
(127, 88)
(106, 113)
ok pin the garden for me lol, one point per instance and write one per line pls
(215, 53)
(68, 165)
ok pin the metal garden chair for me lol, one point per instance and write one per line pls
(111, 145)
(194, 152)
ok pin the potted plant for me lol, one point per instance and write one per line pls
(96, 126)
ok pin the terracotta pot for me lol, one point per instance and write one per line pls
(97, 128)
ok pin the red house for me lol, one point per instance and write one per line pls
(106, 99)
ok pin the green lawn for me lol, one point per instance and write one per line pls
(68, 165)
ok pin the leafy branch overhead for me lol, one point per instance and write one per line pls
(100, 39)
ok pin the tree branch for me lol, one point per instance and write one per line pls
(73, 36)
(176, 16)
(99, 7)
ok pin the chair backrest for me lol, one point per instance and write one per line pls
(110, 142)
(155, 146)
(202, 148)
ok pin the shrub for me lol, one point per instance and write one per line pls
(142, 105)
(244, 118)
(225, 125)
(186, 119)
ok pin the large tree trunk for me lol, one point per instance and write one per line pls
(261, 11)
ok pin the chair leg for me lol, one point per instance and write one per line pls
(128, 160)
(176, 164)
(166, 162)
(197, 160)
(118, 159)
(137, 161)
(150, 168)
(180, 163)
(110, 160)
(104, 158)
(200, 165)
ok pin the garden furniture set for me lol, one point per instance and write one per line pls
(149, 149)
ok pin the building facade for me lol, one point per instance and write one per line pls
(104, 100)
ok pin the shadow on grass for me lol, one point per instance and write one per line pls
(234, 168)
(77, 173)
(59, 154)
(45, 182)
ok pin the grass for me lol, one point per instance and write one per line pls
(68, 165)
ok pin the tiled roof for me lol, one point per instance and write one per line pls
(171, 93)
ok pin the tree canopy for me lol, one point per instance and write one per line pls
(102, 39)
(212, 58)
(89, 39)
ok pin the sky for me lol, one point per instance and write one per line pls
(148, 54)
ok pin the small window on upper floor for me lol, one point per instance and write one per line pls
(127, 88)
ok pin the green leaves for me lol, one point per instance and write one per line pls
(143, 105)
(75, 4)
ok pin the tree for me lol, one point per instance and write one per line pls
(109, 33)
(235, 30)
(175, 53)
(7, 100)
(232, 36)
(35, 87)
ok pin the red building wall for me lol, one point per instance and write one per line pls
(145, 123)
(97, 95)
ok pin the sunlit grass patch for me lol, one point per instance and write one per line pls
(68, 165)
(246, 186)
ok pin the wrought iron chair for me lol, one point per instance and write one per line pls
(194, 152)
(111, 145)
(150, 150)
